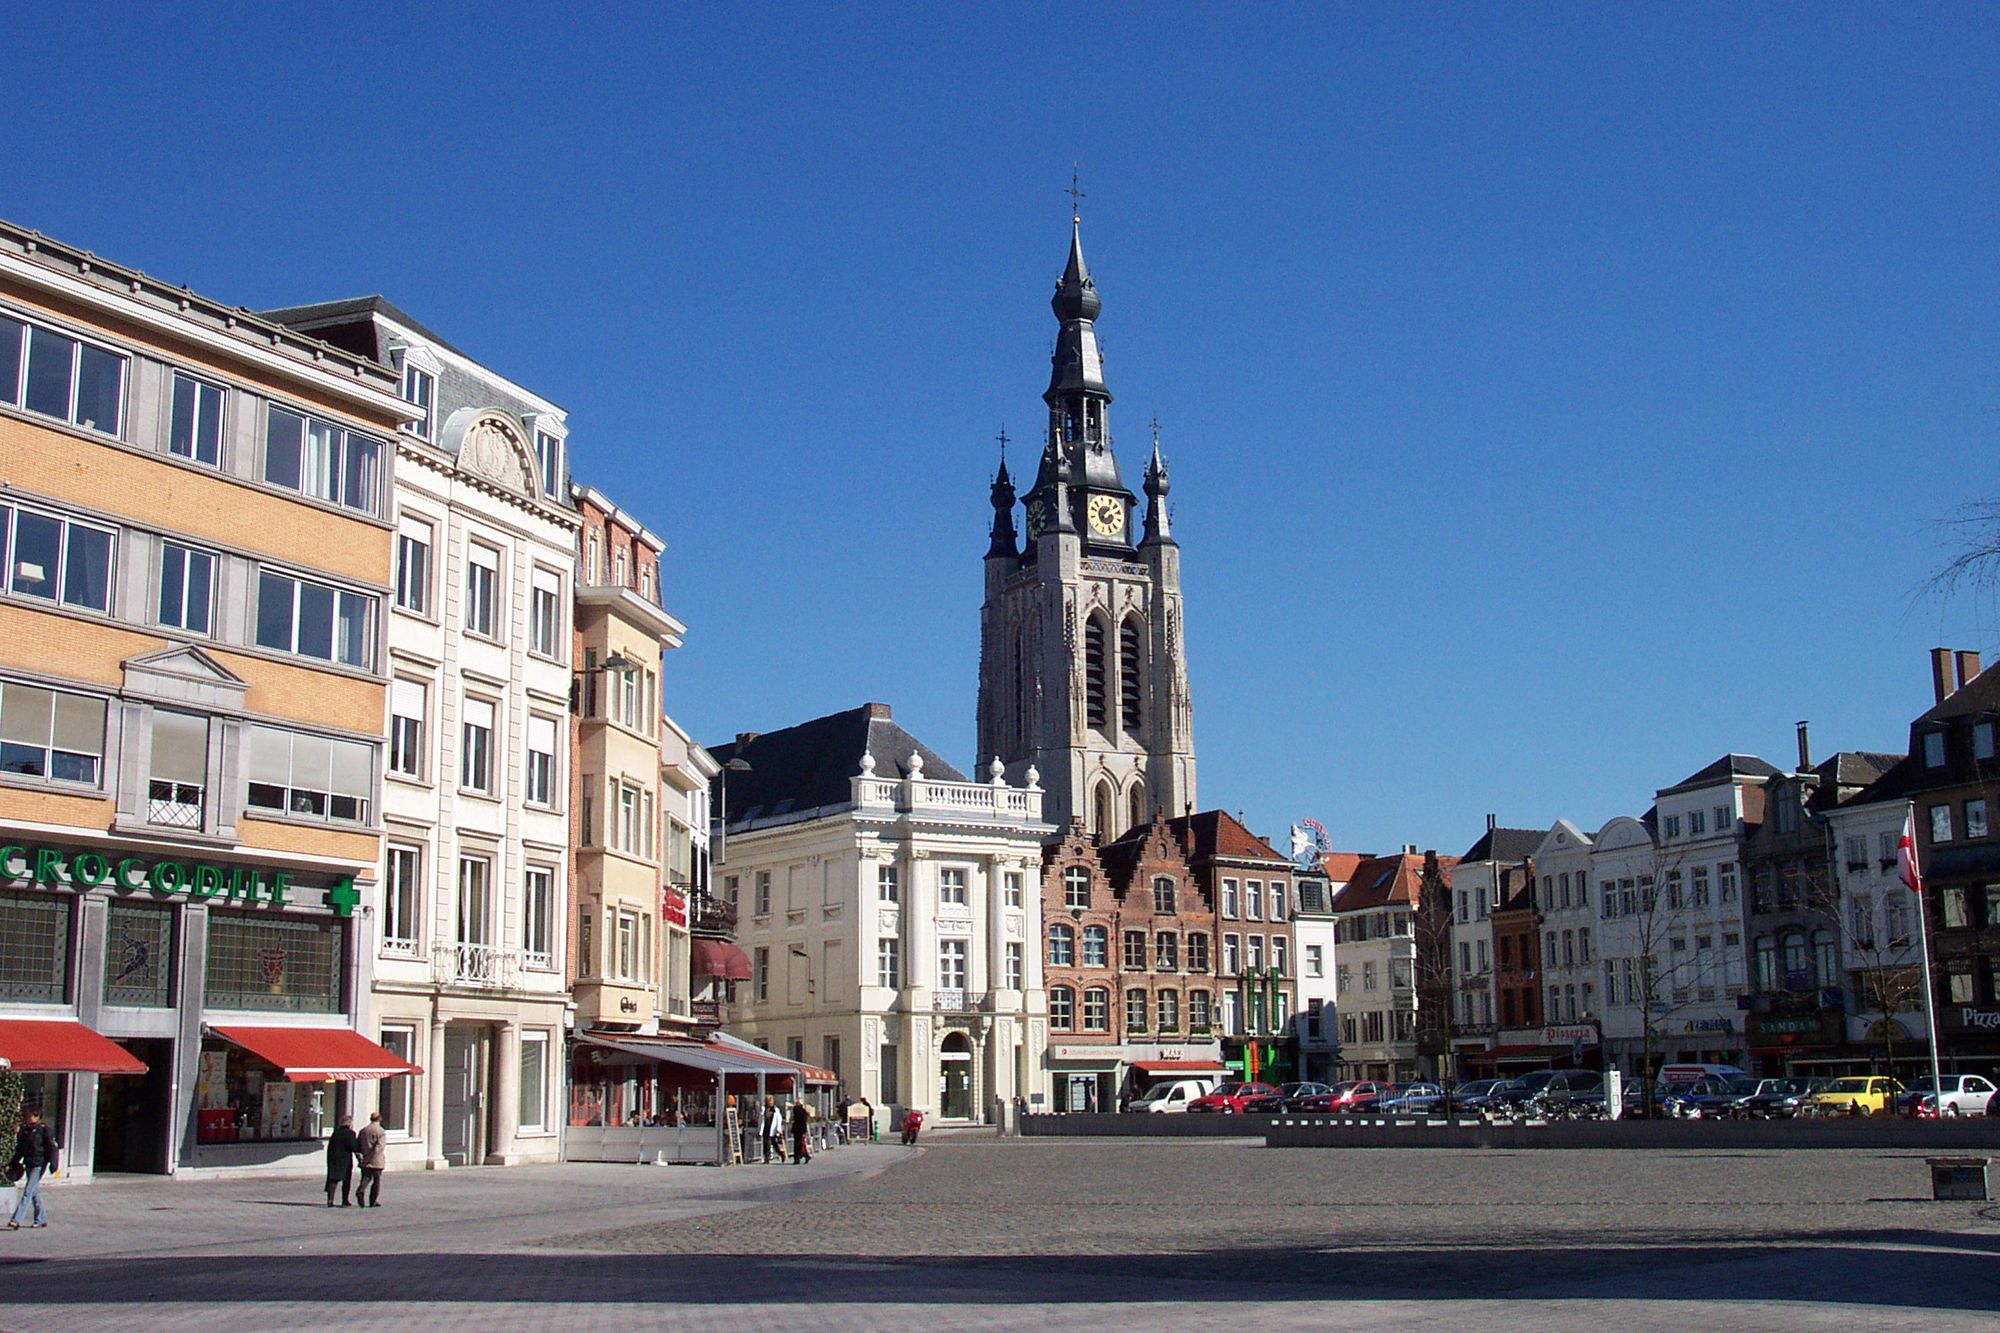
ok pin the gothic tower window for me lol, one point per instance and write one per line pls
(1094, 683)
(1137, 797)
(1131, 707)
(1101, 807)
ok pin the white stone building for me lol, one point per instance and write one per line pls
(1879, 930)
(469, 973)
(1476, 890)
(1375, 973)
(890, 910)
(1569, 934)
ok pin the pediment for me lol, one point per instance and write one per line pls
(493, 446)
(184, 674)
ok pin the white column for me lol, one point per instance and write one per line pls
(506, 1046)
(434, 1097)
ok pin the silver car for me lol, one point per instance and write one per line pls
(1957, 1094)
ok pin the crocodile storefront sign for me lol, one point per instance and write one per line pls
(67, 868)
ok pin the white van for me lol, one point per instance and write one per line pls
(1694, 1073)
(1173, 1094)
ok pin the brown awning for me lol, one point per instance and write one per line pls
(719, 958)
(62, 1046)
(1179, 1067)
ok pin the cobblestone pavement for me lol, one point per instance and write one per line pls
(1002, 1234)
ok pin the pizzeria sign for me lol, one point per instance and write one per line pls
(56, 868)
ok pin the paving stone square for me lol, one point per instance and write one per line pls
(981, 1233)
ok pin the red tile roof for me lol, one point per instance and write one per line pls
(1217, 833)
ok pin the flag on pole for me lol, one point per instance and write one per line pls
(1906, 854)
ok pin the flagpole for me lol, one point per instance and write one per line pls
(1924, 943)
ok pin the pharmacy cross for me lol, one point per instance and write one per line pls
(342, 897)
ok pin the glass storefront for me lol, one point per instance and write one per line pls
(242, 1098)
(138, 954)
(34, 948)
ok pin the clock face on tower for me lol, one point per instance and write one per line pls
(1107, 515)
(1038, 518)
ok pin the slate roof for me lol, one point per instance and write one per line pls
(350, 328)
(1505, 844)
(1722, 770)
(1217, 833)
(1979, 695)
(804, 772)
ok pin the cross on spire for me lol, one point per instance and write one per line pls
(1076, 196)
(1155, 424)
(1002, 438)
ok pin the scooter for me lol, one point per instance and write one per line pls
(913, 1123)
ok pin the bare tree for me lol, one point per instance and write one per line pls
(1672, 976)
(1976, 565)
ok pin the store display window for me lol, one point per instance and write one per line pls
(243, 1098)
(261, 962)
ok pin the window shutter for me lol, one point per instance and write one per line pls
(180, 747)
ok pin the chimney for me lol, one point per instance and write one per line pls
(1968, 667)
(1409, 849)
(1492, 822)
(1805, 750)
(878, 712)
(1940, 673)
(743, 739)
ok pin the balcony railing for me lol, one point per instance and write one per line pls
(174, 805)
(713, 917)
(961, 1001)
(484, 965)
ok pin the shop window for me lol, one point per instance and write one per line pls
(394, 1095)
(34, 947)
(243, 1098)
(138, 954)
(272, 963)
(534, 1081)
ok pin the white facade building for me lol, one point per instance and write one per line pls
(890, 909)
(1569, 929)
(1879, 927)
(470, 969)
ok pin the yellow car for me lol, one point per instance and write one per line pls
(1861, 1095)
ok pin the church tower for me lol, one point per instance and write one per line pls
(1081, 669)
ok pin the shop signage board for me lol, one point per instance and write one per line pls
(58, 868)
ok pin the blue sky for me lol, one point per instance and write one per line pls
(1558, 396)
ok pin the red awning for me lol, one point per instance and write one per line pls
(62, 1046)
(719, 958)
(318, 1055)
(1179, 1067)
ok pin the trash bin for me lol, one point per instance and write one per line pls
(1954, 1178)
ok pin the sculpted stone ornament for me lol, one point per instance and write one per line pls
(492, 450)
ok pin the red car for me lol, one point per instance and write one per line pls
(1345, 1098)
(1229, 1099)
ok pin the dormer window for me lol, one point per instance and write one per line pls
(420, 392)
(1934, 749)
(1982, 740)
(548, 461)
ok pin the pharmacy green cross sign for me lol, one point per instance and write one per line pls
(55, 868)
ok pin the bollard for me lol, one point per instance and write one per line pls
(1956, 1178)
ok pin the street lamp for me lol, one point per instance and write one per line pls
(616, 662)
(797, 952)
(722, 808)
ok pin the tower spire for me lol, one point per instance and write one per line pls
(1003, 543)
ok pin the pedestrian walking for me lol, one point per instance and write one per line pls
(340, 1146)
(774, 1131)
(36, 1155)
(801, 1121)
(371, 1143)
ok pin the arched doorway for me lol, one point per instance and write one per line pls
(955, 1077)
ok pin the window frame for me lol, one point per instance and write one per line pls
(413, 590)
(16, 396)
(339, 464)
(186, 554)
(198, 418)
(50, 750)
(59, 578)
(402, 899)
(268, 576)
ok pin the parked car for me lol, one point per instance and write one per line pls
(1779, 1098)
(1956, 1095)
(1230, 1098)
(1355, 1094)
(1862, 1094)
(1552, 1088)
(1412, 1099)
(1286, 1094)
(1173, 1095)
(1475, 1093)
(1708, 1098)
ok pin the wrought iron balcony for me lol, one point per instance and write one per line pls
(953, 1001)
(484, 965)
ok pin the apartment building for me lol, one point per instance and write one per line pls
(195, 559)
(470, 942)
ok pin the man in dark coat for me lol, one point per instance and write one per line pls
(35, 1152)
(800, 1119)
(340, 1150)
